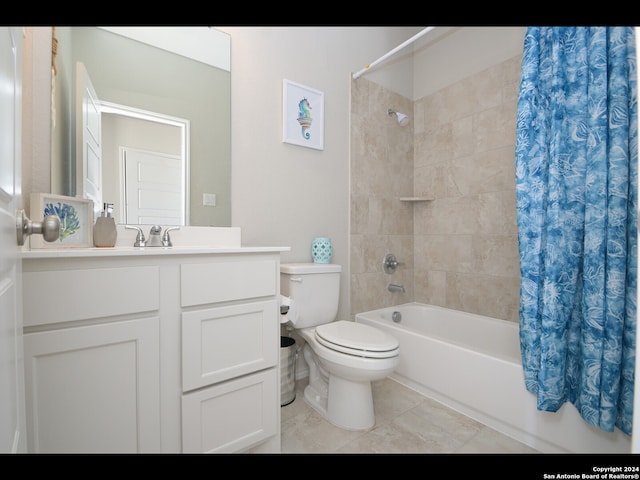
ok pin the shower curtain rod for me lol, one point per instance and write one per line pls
(387, 55)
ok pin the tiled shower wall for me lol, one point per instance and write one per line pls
(381, 173)
(460, 248)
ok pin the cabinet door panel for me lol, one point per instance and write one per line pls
(94, 389)
(224, 342)
(230, 416)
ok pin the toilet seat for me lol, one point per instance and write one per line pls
(357, 339)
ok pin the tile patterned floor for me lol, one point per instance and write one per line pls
(406, 423)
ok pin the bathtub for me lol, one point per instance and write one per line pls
(472, 364)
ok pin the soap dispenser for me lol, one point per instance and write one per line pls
(104, 231)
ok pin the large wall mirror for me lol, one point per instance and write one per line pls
(167, 102)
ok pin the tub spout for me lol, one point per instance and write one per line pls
(392, 287)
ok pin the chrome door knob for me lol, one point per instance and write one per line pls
(49, 228)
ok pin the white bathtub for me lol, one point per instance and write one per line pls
(472, 364)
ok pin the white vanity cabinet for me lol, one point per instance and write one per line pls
(134, 351)
(91, 347)
(230, 349)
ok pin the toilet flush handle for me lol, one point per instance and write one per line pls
(296, 279)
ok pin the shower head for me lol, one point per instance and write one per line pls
(403, 119)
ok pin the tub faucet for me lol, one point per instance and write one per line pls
(392, 287)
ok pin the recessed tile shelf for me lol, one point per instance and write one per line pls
(415, 199)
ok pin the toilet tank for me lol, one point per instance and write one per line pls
(314, 290)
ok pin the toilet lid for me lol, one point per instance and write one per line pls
(357, 339)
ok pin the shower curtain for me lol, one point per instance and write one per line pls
(576, 196)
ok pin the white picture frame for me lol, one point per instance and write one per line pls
(302, 115)
(76, 220)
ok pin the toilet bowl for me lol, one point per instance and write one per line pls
(344, 357)
(340, 376)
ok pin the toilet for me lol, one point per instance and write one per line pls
(344, 357)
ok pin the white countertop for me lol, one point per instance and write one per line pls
(186, 241)
(144, 251)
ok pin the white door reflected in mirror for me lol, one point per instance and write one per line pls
(153, 193)
(88, 140)
(135, 140)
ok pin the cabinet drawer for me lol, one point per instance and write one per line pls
(231, 416)
(224, 342)
(227, 281)
(80, 294)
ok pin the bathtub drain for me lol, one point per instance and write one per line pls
(396, 316)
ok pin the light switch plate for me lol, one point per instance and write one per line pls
(209, 199)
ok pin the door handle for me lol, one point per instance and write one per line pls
(49, 228)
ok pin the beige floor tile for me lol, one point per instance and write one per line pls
(434, 414)
(392, 438)
(490, 441)
(391, 399)
(406, 423)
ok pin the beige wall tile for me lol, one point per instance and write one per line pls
(431, 287)
(495, 255)
(492, 296)
(460, 250)
(444, 252)
(495, 128)
(429, 180)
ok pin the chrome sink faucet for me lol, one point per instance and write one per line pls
(154, 236)
(141, 241)
(155, 240)
(166, 239)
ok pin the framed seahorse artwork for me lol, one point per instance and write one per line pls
(302, 115)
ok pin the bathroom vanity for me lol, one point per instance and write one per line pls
(152, 350)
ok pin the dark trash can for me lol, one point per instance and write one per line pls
(288, 356)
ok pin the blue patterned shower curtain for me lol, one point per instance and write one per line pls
(576, 195)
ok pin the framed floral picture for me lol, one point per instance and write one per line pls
(76, 220)
(302, 115)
